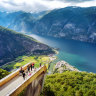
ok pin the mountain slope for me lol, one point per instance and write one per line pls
(70, 23)
(14, 44)
(20, 21)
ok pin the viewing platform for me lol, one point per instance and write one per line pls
(13, 84)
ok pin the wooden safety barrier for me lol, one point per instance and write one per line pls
(24, 84)
(12, 75)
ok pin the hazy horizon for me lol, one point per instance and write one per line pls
(42, 5)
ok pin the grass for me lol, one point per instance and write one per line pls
(22, 60)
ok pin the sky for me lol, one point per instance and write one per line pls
(42, 5)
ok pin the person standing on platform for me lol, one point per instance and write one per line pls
(21, 71)
(40, 64)
(31, 67)
(28, 68)
(23, 75)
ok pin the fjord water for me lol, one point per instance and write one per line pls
(81, 55)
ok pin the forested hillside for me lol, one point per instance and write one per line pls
(13, 44)
(70, 83)
(3, 73)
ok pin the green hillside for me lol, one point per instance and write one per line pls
(13, 44)
(70, 84)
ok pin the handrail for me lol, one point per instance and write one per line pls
(12, 75)
(26, 82)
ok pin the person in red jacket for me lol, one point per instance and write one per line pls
(32, 65)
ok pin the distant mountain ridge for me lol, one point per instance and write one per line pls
(13, 44)
(71, 23)
(20, 20)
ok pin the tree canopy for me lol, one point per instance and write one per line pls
(3, 73)
(70, 84)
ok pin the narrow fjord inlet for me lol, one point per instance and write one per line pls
(81, 55)
(47, 47)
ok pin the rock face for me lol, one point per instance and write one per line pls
(13, 44)
(70, 23)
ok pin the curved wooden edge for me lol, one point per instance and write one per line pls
(21, 87)
(12, 75)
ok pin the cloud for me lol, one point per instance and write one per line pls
(42, 5)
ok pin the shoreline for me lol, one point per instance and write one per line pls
(62, 66)
(62, 63)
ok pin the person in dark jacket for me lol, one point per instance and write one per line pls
(40, 64)
(23, 75)
(31, 67)
(28, 68)
(21, 70)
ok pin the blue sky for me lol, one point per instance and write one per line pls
(42, 5)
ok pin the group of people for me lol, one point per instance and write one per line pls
(28, 70)
(30, 67)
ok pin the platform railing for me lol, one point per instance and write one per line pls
(12, 75)
(27, 81)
